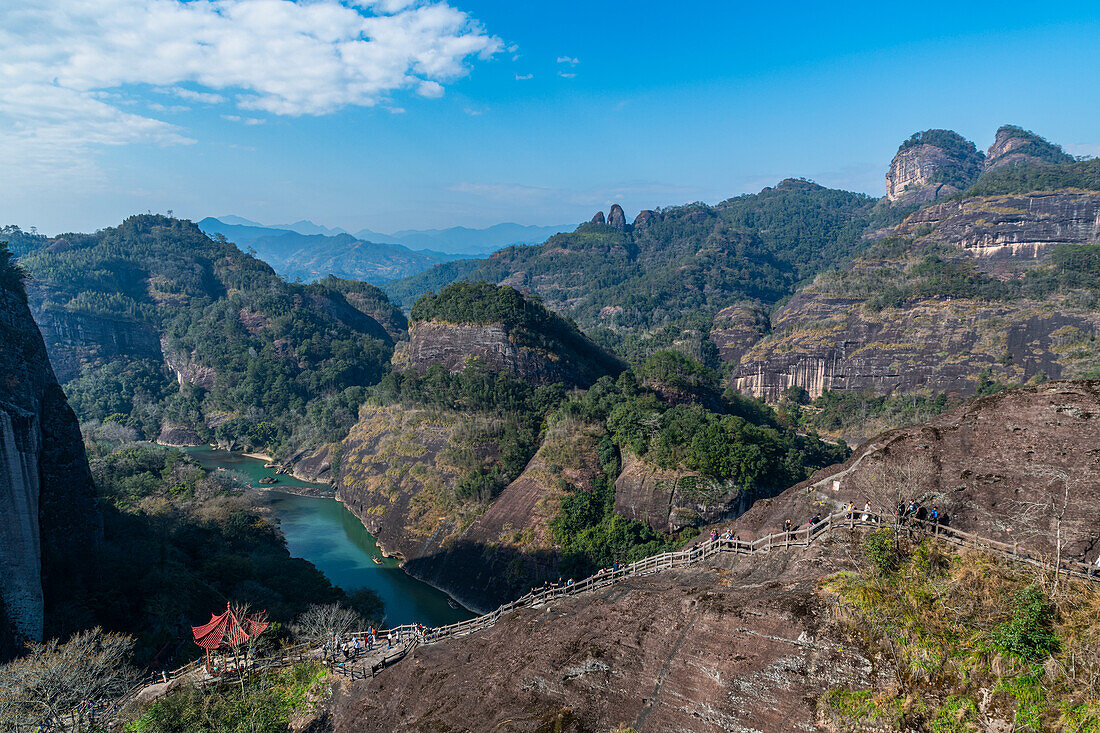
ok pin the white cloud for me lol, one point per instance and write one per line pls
(565, 75)
(57, 60)
(568, 60)
(243, 120)
(430, 89)
(524, 77)
(192, 96)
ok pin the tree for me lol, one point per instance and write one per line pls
(321, 621)
(49, 685)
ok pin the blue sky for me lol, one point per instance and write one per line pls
(403, 114)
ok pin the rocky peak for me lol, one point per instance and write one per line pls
(616, 218)
(644, 217)
(930, 165)
(1016, 145)
(598, 218)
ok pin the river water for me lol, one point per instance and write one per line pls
(323, 531)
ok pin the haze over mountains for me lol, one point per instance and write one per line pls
(308, 251)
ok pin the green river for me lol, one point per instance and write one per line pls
(323, 531)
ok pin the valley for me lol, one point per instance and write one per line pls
(482, 427)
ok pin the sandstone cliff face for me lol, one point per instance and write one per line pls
(828, 337)
(398, 474)
(453, 344)
(50, 518)
(669, 500)
(937, 345)
(930, 165)
(76, 340)
(742, 646)
(1022, 227)
(1012, 466)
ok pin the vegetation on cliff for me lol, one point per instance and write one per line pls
(680, 266)
(1022, 178)
(265, 705)
(732, 441)
(179, 541)
(967, 640)
(965, 158)
(249, 347)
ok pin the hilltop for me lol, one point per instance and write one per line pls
(155, 325)
(660, 280)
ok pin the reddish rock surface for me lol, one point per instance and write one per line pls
(1005, 466)
(741, 646)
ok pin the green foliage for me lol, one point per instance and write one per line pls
(179, 541)
(11, 275)
(736, 439)
(264, 704)
(1029, 634)
(932, 624)
(673, 370)
(593, 536)
(277, 353)
(482, 303)
(640, 290)
(1021, 178)
(880, 550)
(840, 412)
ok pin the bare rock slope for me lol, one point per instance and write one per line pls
(1021, 465)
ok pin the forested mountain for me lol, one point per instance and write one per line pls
(250, 359)
(993, 285)
(661, 280)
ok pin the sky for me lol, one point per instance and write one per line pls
(415, 114)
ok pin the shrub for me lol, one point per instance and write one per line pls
(1029, 634)
(881, 550)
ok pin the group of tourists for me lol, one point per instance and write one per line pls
(353, 645)
(905, 511)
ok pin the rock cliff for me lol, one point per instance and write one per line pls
(50, 524)
(399, 472)
(669, 500)
(504, 331)
(930, 165)
(892, 325)
(744, 646)
(737, 328)
(79, 341)
(494, 345)
(1018, 465)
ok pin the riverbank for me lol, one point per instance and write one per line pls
(320, 529)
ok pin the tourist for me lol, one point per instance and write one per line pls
(866, 517)
(358, 647)
(851, 510)
(713, 535)
(787, 526)
(935, 516)
(815, 519)
(389, 640)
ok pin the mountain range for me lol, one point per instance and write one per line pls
(307, 251)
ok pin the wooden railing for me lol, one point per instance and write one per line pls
(801, 537)
(408, 636)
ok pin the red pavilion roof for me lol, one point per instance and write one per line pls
(228, 630)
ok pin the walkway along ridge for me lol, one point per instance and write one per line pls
(409, 636)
